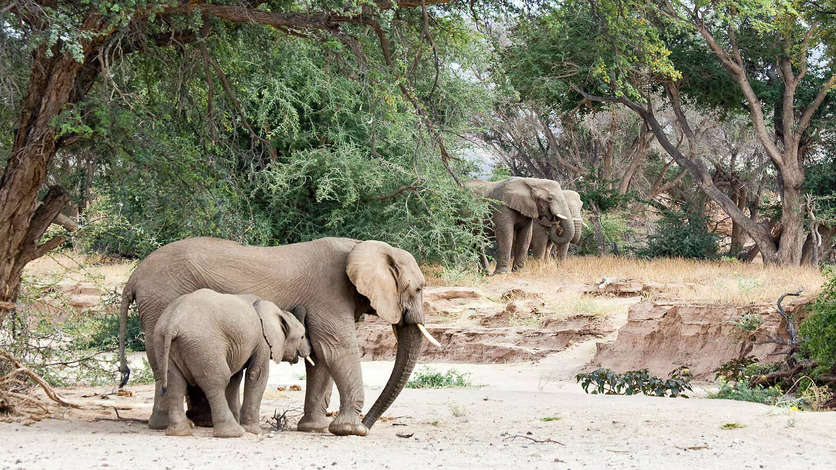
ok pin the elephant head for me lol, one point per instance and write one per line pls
(542, 200)
(573, 199)
(392, 282)
(284, 333)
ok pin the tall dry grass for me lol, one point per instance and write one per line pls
(680, 279)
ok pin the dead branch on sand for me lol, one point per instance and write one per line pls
(19, 403)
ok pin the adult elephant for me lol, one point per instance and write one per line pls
(336, 280)
(541, 239)
(524, 202)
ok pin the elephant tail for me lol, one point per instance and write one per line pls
(169, 336)
(128, 296)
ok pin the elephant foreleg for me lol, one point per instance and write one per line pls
(539, 242)
(232, 394)
(522, 239)
(319, 385)
(254, 386)
(504, 244)
(344, 363)
(562, 250)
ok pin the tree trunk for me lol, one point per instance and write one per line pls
(598, 230)
(793, 234)
(22, 220)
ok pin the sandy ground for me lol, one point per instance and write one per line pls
(497, 423)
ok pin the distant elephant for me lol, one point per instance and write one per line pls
(336, 280)
(524, 202)
(207, 339)
(541, 240)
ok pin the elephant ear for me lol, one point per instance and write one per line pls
(272, 327)
(373, 271)
(516, 194)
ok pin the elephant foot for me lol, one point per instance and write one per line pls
(313, 425)
(346, 427)
(180, 429)
(252, 428)
(503, 270)
(158, 421)
(228, 430)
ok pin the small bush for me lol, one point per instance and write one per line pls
(682, 233)
(748, 322)
(428, 378)
(741, 391)
(616, 231)
(819, 329)
(633, 382)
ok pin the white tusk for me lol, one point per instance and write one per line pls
(428, 335)
(560, 217)
(584, 224)
(310, 361)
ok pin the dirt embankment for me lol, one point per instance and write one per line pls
(528, 325)
(624, 322)
(661, 336)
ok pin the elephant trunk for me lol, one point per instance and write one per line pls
(578, 230)
(568, 227)
(410, 341)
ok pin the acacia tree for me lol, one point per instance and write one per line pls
(759, 57)
(71, 43)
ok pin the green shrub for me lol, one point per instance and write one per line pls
(616, 231)
(428, 378)
(683, 233)
(608, 382)
(741, 391)
(819, 329)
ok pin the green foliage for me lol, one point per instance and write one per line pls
(61, 348)
(682, 232)
(428, 378)
(616, 231)
(748, 322)
(742, 391)
(337, 150)
(605, 381)
(602, 194)
(819, 328)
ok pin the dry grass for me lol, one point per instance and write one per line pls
(682, 279)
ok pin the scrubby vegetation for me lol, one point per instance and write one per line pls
(607, 382)
(426, 377)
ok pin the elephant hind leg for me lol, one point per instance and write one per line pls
(178, 425)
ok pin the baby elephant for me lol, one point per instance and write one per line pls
(207, 339)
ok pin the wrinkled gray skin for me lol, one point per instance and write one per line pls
(541, 238)
(524, 203)
(336, 280)
(207, 339)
